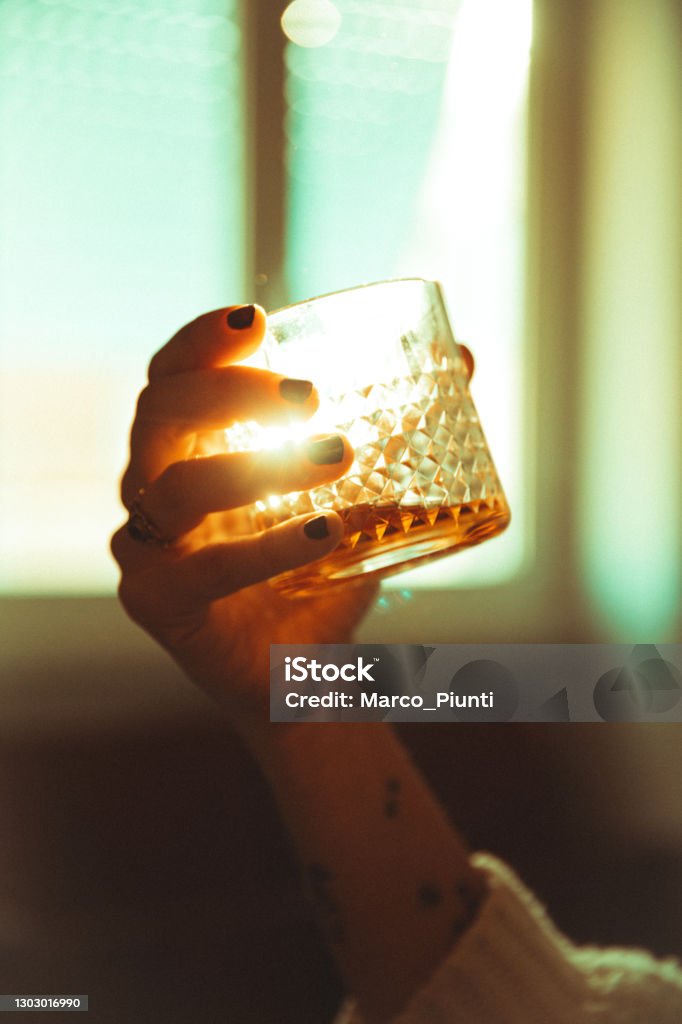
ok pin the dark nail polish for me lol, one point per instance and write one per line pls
(297, 391)
(316, 529)
(326, 451)
(241, 317)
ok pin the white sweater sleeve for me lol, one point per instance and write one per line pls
(514, 967)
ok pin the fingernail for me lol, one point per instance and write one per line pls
(316, 529)
(326, 451)
(297, 391)
(241, 317)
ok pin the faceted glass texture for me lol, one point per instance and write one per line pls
(393, 380)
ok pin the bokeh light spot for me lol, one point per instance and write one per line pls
(311, 23)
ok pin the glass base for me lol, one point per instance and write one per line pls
(381, 540)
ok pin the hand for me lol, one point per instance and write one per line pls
(205, 595)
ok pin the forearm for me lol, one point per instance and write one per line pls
(387, 870)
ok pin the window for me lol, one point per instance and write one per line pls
(160, 160)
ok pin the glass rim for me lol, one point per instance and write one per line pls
(358, 288)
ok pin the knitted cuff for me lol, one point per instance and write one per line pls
(513, 966)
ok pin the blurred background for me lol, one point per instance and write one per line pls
(158, 160)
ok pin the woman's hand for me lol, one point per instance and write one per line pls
(204, 595)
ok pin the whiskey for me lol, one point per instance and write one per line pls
(383, 539)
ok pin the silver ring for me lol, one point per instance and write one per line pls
(141, 528)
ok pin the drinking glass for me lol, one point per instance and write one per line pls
(392, 378)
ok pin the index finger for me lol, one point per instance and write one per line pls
(214, 339)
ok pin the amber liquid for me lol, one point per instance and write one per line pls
(380, 540)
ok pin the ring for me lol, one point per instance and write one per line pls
(141, 528)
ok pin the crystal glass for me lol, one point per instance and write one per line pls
(392, 379)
